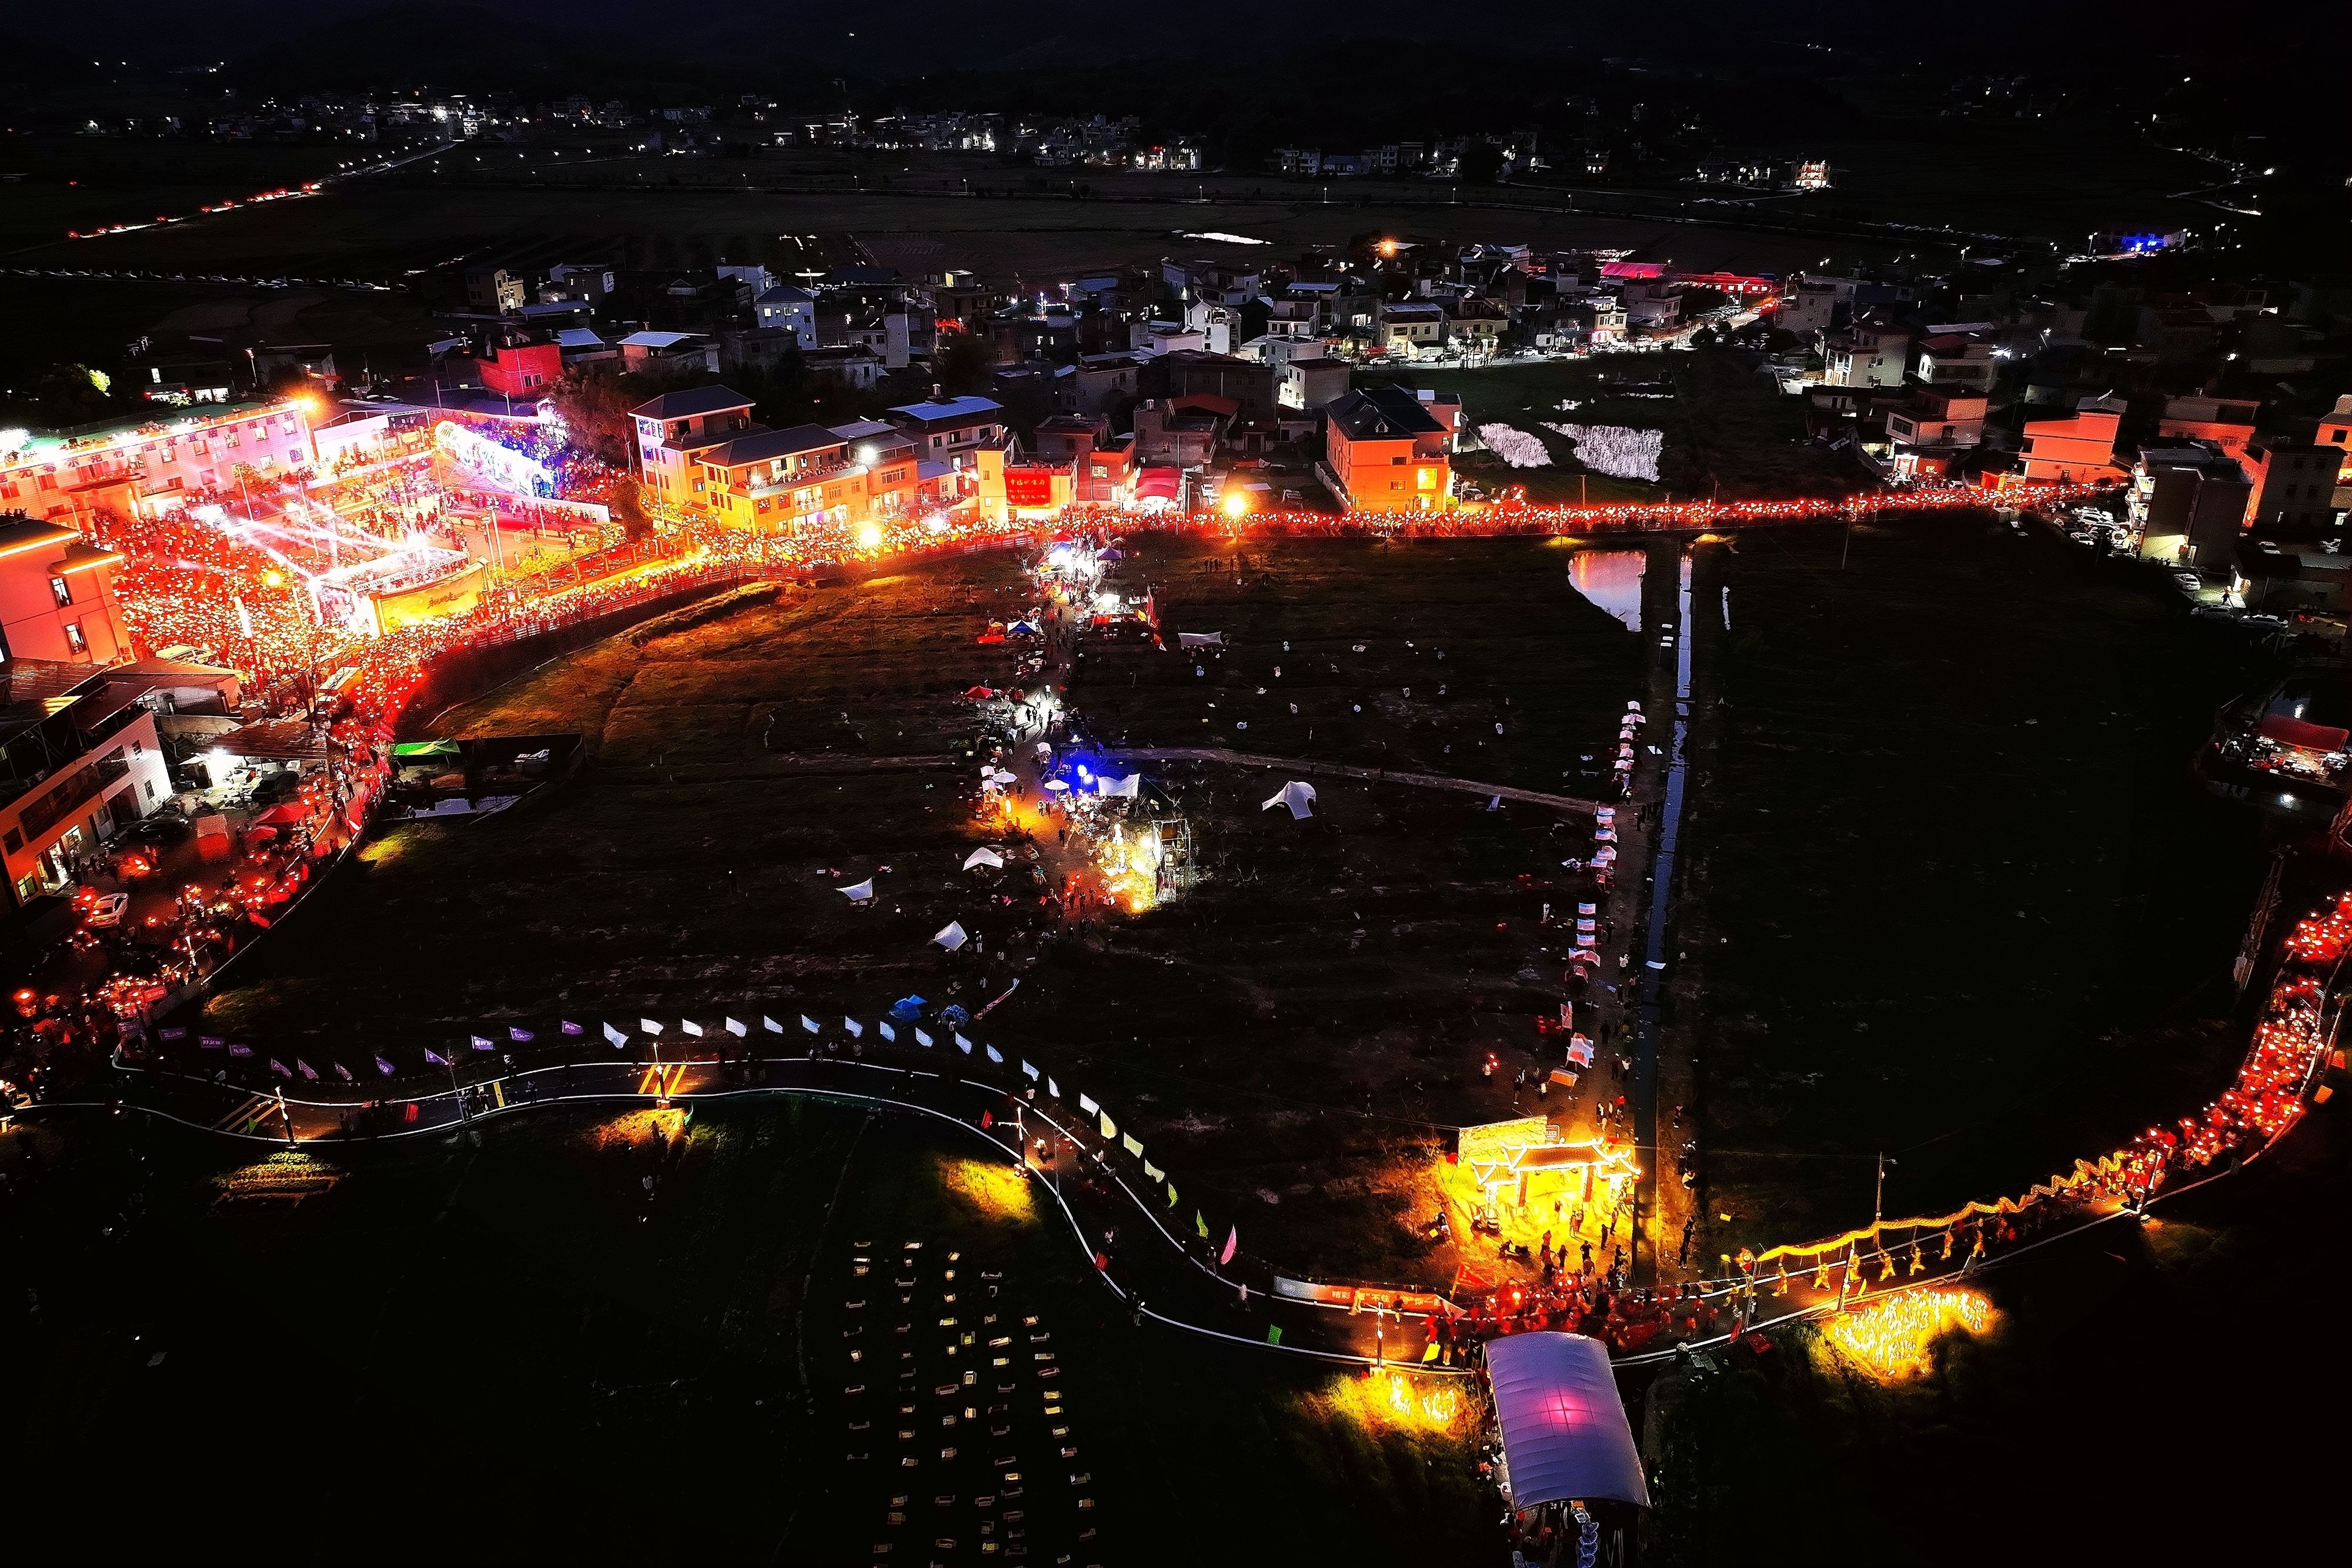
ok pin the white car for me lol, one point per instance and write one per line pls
(2189, 582)
(107, 910)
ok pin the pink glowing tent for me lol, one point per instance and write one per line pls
(1565, 1434)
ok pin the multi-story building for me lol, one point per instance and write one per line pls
(138, 467)
(1931, 428)
(57, 595)
(2228, 423)
(676, 426)
(2294, 483)
(785, 481)
(2081, 446)
(2188, 502)
(521, 369)
(1959, 362)
(79, 756)
(1386, 452)
(1874, 351)
(787, 305)
(952, 430)
(1410, 328)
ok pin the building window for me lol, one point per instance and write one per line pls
(61, 590)
(149, 786)
(75, 641)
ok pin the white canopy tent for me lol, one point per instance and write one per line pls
(1297, 796)
(987, 854)
(1565, 1433)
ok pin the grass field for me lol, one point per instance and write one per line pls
(1725, 425)
(1953, 894)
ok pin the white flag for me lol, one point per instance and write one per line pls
(1053, 1087)
(1086, 1104)
(808, 1023)
(1029, 1070)
(736, 1030)
(771, 1025)
(615, 1036)
(857, 893)
(963, 1045)
(952, 937)
(649, 1026)
(856, 1028)
(692, 1027)
(887, 1032)
(922, 1038)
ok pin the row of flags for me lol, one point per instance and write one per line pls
(619, 1040)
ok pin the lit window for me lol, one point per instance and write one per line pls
(61, 590)
(75, 641)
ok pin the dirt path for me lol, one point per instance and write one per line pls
(1346, 770)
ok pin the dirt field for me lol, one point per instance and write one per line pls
(1293, 1036)
(1953, 894)
(513, 1318)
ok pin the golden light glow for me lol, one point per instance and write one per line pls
(1236, 503)
(1389, 1400)
(869, 535)
(1891, 1337)
(1000, 1192)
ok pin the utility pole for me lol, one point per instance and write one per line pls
(1878, 1203)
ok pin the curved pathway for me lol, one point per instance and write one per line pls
(1348, 770)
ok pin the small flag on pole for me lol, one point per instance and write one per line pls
(1053, 1087)
(1274, 1334)
(383, 1067)
(478, 1043)
(1171, 1195)
(235, 1050)
(994, 1054)
(435, 1058)
(1029, 1070)
(615, 1036)
(736, 1029)
(278, 1068)
(649, 1026)
(962, 1044)
(921, 1037)
(307, 1070)
(856, 1030)
(1086, 1104)
(809, 1023)
(1233, 1239)
(1110, 1127)
(1154, 1171)
(771, 1025)
(885, 1031)
(342, 1073)
(692, 1027)
(1129, 1142)
(571, 1028)
(519, 1036)
(1201, 1223)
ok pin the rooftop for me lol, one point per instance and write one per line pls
(1383, 414)
(691, 402)
(769, 444)
(951, 410)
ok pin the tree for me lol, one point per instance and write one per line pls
(595, 404)
(1482, 163)
(628, 510)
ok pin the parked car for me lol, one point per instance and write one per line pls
(2189, 582)
(108, 911)
(163, 827)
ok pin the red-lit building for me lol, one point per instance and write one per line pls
(522, 369)
(57, 596)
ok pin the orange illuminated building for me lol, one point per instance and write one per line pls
(1386, 452)
(57, 596)
(141, 468)
(2078, 449)
(782, 481)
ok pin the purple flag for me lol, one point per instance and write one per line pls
(383, 1067)
(209, 1041)
(342, 1073)
(307, 1070)
(240, 1051)
(435, 1058)
(520, 1036)
(571, 1028)
(479, 1043)
(280, 1068)
(173, 1034)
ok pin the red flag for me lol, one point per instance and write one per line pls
(1233, 1239)
(987, 1120)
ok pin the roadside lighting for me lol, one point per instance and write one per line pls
(869, 535)
(1236, 502)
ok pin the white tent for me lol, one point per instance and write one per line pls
(1128, 786)
(952, 937)
(1200, 639)
(857, 893)
(1565, 1434)
(986, 854)
(1299, 797)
